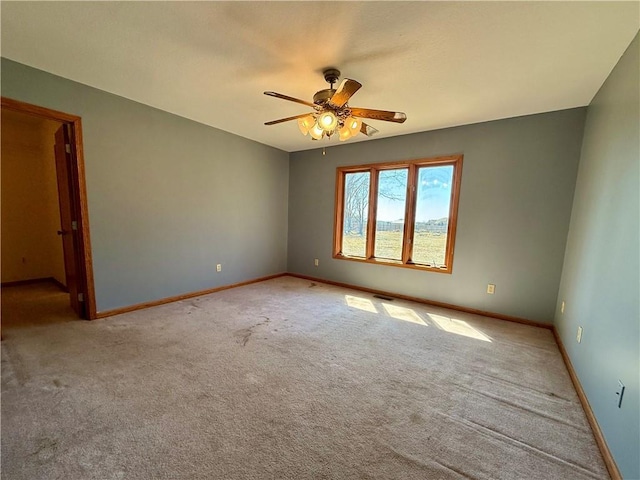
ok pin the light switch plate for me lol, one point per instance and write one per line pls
(579, 335)
(620, 393)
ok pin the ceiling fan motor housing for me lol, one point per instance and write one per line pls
(323, 96)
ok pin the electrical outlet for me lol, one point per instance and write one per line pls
(620, 393)
(219, 267)
(491, 289)
(579, 335)
(562, 308)
(316, 262)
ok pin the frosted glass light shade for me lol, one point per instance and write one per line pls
(328, 121)
(354, 125)
(316, 132)
(306, 123)
(345, 133)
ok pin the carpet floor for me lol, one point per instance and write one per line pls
(284, 379)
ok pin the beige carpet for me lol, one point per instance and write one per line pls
(284, 379)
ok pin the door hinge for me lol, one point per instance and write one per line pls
(67, 148)
(81, 297)
(74, 225)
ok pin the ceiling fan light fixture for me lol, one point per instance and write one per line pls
(306, 123)
(332, 114)
(316, 132)
(328, 121)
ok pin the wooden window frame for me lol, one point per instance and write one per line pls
(410, 209)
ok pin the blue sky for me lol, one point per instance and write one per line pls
(434, 195)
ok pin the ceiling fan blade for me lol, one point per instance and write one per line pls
(291, 99)
(274, 122)
(344, 92)
(368, 130)
(384, 115)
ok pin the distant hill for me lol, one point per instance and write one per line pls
(438, 225)
(440, 222)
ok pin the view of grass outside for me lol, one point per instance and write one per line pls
(354, 245)
(428, 248)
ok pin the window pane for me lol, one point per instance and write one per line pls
(432, 215)
(392, 199)
(356, 212)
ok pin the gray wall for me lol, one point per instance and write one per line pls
(518, 178)
(600, 279)
(169, 198)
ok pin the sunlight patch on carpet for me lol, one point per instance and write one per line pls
(447, 324)
(404, 313)
(459, 327)
(361, 303)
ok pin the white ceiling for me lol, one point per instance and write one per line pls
(442, 63)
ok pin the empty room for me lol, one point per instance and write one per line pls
(320, 240)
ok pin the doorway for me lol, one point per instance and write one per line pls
(50, 199)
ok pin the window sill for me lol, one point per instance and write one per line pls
(394, 263)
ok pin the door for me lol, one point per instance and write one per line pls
(68, 224)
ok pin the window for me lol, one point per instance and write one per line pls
(401, 213)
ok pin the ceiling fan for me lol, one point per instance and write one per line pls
(332, 113)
